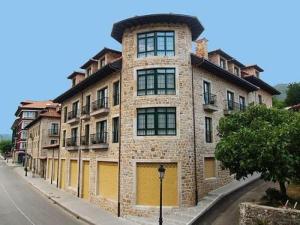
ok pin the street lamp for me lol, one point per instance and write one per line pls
(161, 171)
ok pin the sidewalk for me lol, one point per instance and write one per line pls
(183, 216)
(87, 212)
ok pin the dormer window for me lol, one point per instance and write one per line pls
(160, 43)
(257, 73)
(102, 63)
(223, 63)
(89, 71)
(236, 71)
(73, 82)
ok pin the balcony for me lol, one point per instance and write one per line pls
(210, 102)
(73, 117)
(233, 107)
(71, 144)
(53, 132)
(100, 107)
(85, 112)
(84, 142)
(99, 140)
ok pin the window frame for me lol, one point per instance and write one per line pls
(225, 63)
(156, 128)
(242, 103)
(146, 53)
(155, 88)
(116, 93)
(115, 129)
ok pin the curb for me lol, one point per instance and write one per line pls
(221, 196)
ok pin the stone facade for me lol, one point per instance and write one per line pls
(188, 149)
(251, 214)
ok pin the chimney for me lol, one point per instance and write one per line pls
(201, 48)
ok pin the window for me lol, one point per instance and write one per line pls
(156, 121)
(116, 93)
(208, 130)
(54, 128)
(52, 142)
(85, 139)
(86, 109)
(24, 124)
(101, 132)
(74, 136)
(156, 44)
(257, 73)
(102, 100)
(116, 130)
(24, 134)
(29, 114)
(230, 100)
(260, 99)
(64, 139)
(242, 103)
(223, 63)
(236, 71)
(65, 114)
(159, 81)
(73, 82)
(75, 109)
(89, 71)
(207, 92)
(209, 167)
(102, 62)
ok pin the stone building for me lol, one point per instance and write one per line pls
(155, 102)
(42, 132)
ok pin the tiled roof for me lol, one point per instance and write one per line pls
(28, 104)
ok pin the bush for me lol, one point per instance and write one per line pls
(274, 195)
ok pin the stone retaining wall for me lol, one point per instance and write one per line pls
(252, 214)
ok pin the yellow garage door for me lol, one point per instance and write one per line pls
(148, 184)
(108, 180)
(49, 168)
(86, 179)
(73, 173)
(62, 173)
(209, 167)
(55, 170)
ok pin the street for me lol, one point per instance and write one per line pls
(21, 204)
(226, 212)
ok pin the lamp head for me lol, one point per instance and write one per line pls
(161, 171)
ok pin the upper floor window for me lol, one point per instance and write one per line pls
(207, 92)
(236, 71)
(223, 63)
(65, 114)
(156, 121)
(257, 73)
(54, 128)
(160, 43)
(73, 82)
(89, 71)
(208, 130)
(115, 130)
(260, 99)
(116, 93)
(29, 114)
(230, 100)
(102, 62)
(242, 103)
(156, 81)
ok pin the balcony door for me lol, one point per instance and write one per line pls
(54, 128)
(230, 100)
(102, 97)
(75, 109)
(101, 130)
(74, 135)
(87, 104)
(207, 92)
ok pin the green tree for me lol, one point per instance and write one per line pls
(5, 146)
(278, 103)
(293, 94)
(261, 140)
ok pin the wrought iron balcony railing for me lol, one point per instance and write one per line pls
(71, 142)
(99, 138)
(100, 103)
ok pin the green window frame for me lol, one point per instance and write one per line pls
(156, 121)
(157, 81)
(156, 43)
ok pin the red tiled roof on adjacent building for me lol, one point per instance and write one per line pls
(28, 104)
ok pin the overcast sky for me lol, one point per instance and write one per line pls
(42, 42)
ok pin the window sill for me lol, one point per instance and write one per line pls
(211, 179)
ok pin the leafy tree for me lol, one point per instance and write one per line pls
(293, 94)
(278, 103)
(5, 146)
(261, 140)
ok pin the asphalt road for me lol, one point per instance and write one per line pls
(21, 204)
(226, 212)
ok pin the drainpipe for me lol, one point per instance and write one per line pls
(79, 152)
(52, 165)
(119, 154)
(39, 146)
(58, 153)
(194, 136)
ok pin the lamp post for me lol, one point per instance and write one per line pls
(161, 171)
